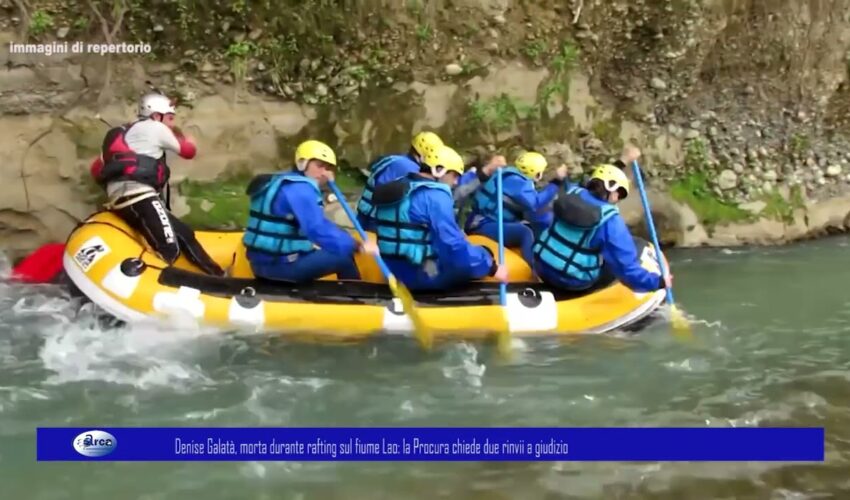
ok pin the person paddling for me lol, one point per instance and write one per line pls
(589, 243)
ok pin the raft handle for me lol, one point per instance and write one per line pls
(133, 267)
(530, 298)
(247, 298)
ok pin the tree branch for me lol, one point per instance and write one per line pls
(104, 24)
(23, 6)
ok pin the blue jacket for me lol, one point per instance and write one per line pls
(384, 169)
(451, 249)
(299, 199)
(528, 203)
(618, 251)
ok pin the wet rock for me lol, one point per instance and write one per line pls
(727, 180)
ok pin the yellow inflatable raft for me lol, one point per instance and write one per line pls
(112, 265)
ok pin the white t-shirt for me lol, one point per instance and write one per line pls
(150, 138)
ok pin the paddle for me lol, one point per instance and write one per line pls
(680, 324)
(423, 333)
(504, 336)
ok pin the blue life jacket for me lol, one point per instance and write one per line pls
(365, 207)
(398, 236)
(276, 234)
(565, 245)
(484, 203)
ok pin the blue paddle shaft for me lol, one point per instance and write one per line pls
(651, 226)
(339, 196)
(500, 220)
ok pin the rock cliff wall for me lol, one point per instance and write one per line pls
(739, 105)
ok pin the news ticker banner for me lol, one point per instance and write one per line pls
(430, 444)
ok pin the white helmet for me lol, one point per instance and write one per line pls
(155, 103)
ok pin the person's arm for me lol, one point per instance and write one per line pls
(523, 193)
(621, 255)
(468, 176)
(96, 167)
(465, 190)
(450, 244)
(311, 217)
(176, 142)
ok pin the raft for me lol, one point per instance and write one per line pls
(113, 267)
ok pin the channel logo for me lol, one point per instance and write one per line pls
(95, 443)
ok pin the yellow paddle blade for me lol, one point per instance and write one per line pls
(503, 339)
(681, 325)
(423, 333)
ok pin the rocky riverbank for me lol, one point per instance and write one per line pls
(740, 108)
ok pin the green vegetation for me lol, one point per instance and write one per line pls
(499, 114)
(40, 22)
(562, 63)
(565, 59)
(694, 189)
(534, 50)
(778, 208)
(229, 208)
(696, 156)
(238, 53)
(424, 32)
(608, 131)
(799, 144)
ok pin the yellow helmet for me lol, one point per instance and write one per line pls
(612, 178)
(443, 159)
(531, 164)
(313, 150)
(425, 141)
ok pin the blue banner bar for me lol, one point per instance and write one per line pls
(430, 444)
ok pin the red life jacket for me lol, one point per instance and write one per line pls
(122, 163)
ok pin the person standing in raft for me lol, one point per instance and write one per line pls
(132, 169)
(288, 237)
(417, 233)
(521, 203)
(588, 234)
(391, 167)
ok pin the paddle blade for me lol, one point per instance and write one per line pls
(681, 325)
(503, 341)
(423, 334)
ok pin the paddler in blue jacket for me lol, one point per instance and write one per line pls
(288, 237)
(391, 167)
(589, 233)
(521, 201)
(417, 233)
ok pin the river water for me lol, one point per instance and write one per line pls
(773, 348)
